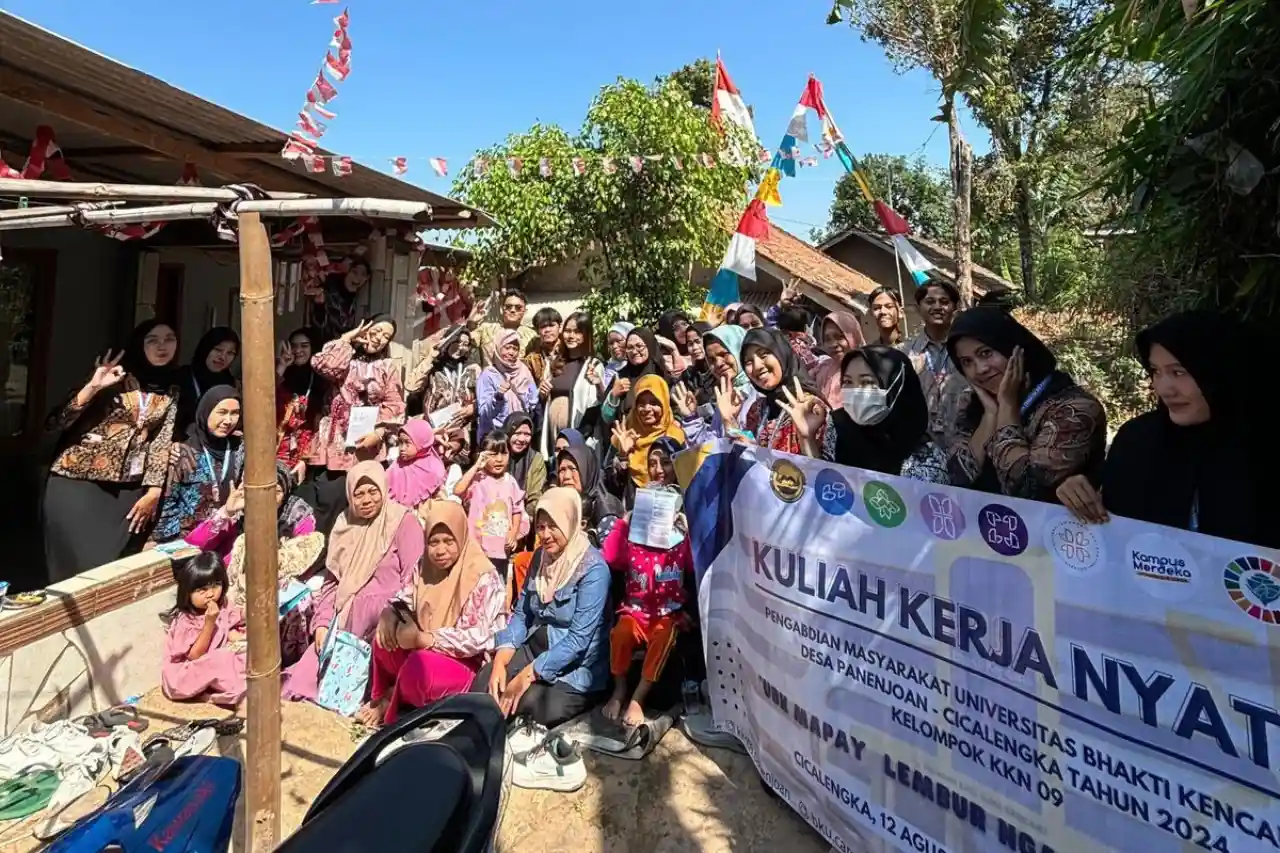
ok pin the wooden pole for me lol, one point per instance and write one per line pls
(375, 208)
(262, 815)
(95, 191)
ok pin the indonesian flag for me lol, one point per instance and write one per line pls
(439, 165)
(739, 260)
(727, 103)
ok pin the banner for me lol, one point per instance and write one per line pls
(924, 668)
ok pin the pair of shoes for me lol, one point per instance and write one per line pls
(553, 764)
(523, 735)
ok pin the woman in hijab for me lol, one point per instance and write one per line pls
(1024, 426)
(650, 420)
(504, 388)
(526, 466)
(699, 377)
(373, 554)
(569, 438)
(616, 342)
(672, 325)
(749, 317)
(418, 472)
(644, 358)
(367, 384)
(883, 420)
(446, 376)
(339, 310)
(841, 335)
(787, 414)
(731, 313)
(113, 454)
(1200, 461)
(210, 365)
(431, 641)
(578, 468)
(208, 466)
(552, 659)
(300, 399)
(575, 379)
(218, 532)
(732, 392)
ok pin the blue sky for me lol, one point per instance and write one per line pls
(446, 78)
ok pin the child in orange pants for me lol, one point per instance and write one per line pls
(652, 612)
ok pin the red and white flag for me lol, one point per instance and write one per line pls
(400, 164)
(439, 165)
(727, 103)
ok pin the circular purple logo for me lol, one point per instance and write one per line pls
(943, 515)
(1003, 530)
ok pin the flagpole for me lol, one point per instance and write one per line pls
(902, 297)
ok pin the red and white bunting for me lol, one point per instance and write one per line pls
(302, 142)
(439, 165)
(400, 164)
(44, 155)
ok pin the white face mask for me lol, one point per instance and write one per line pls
(868, 406)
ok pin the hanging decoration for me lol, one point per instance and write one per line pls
(303, 141)
(145, 230)
(44, 156)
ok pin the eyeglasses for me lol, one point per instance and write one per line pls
(512, 306)
(637, 348)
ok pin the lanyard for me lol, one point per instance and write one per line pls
(1194, 523)
(196, 384)
(226, 463)
(1034, 396)
(144, 403)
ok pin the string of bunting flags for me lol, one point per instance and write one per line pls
(315, 110)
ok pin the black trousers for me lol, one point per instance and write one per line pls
(548, 704)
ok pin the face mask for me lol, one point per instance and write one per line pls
(867, 406)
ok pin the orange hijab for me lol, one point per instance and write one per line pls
(439, 592)
(638, 461)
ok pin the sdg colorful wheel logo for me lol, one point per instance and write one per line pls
(1254, 585)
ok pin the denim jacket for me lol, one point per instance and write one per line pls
(577, 655)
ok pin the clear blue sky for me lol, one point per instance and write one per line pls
(446, 78)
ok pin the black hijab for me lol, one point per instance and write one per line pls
(998, 330)
(301, 379)
(634, 371)
(136, 364)
(779, 344)
(1156, 470)
(220, 451)
(519, 464)
(201, 378)
(667, 328)
(597, 503)
(884, 446)
(747, 308)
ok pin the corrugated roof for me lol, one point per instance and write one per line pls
(984, 280)
(127, 93)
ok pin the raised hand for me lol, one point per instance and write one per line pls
(107, 371)
(1010, 393)
(357, 333)
(624, 440)
(729, 402)
(235, 499)
(683, 400)
(807, 411)
(284, 358)
(621, 386)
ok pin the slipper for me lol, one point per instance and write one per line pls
(102, 723)
(27, 794)
(159, 756)
(69, 803)
(198, 744)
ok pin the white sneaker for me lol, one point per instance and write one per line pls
(554, 765)
(523, 736)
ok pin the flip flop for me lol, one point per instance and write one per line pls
(101, 723)
(27, 794)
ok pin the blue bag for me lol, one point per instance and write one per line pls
(344, 671)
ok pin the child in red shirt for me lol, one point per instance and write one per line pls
(652, 611)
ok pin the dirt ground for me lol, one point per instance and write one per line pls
(683, 797)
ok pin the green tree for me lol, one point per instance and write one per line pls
(698, 78)
(640, 233)
(916, 190)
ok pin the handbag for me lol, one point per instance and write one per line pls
(344, 671)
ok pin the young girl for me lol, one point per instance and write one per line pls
(494, 502)
(418, 472)
(652, 612)
(204, 655)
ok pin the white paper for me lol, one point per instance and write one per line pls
(440, 418)
(364, 420)
(653, 518)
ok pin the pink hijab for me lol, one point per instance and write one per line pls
(412, 481)
(516, 372)
(829, 373)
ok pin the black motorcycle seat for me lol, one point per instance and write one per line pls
(407, 806)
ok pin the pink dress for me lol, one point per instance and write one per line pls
(218, 533)
(357, 383)
(494, 505)
(218, 675)
(418, 678)
(393, 573)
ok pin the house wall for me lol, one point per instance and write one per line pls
(879, 266)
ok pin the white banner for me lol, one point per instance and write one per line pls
(925, 668)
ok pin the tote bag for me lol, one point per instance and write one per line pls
(344, 671)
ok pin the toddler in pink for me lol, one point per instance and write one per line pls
(494, 502)
(204, 655)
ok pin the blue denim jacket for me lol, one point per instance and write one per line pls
(577, 655)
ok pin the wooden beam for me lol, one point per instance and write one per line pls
(60, 103)
(107, 151)
(90, 191)
(247, 149)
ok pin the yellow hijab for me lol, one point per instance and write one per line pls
(638, 461)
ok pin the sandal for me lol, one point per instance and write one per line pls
(27, 794)
(102, 723)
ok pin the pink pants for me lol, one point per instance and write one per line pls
(418, 678)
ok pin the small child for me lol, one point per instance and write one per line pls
(494, 502)
(204, 656)
(652, 612)
(457, 459)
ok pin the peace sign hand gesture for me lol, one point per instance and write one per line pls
(807, 411)
(358, 332)
(107, 371)
(624, 440)
(729, 402)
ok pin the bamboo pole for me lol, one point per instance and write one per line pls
(376, 208)
(53, 210)
(94, 191)
(261, 541)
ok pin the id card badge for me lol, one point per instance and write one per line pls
(137, 464)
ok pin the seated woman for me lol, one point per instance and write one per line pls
(578, 468)
(418, 472)
(373, 554)
(1024, 425)
(787, 414)
(1199, 462)
(294, 518)
(883, 422)
(731, 391)
(552, 659)
(650, 420)
(208, 465)
(431, 641)
(528, 467)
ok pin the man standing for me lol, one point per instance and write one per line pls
(941, 380)
(513, 309)
(540, 354)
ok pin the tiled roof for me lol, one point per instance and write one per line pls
(984, 280)
(803, 261)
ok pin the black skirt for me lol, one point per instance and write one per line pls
(85, 525)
